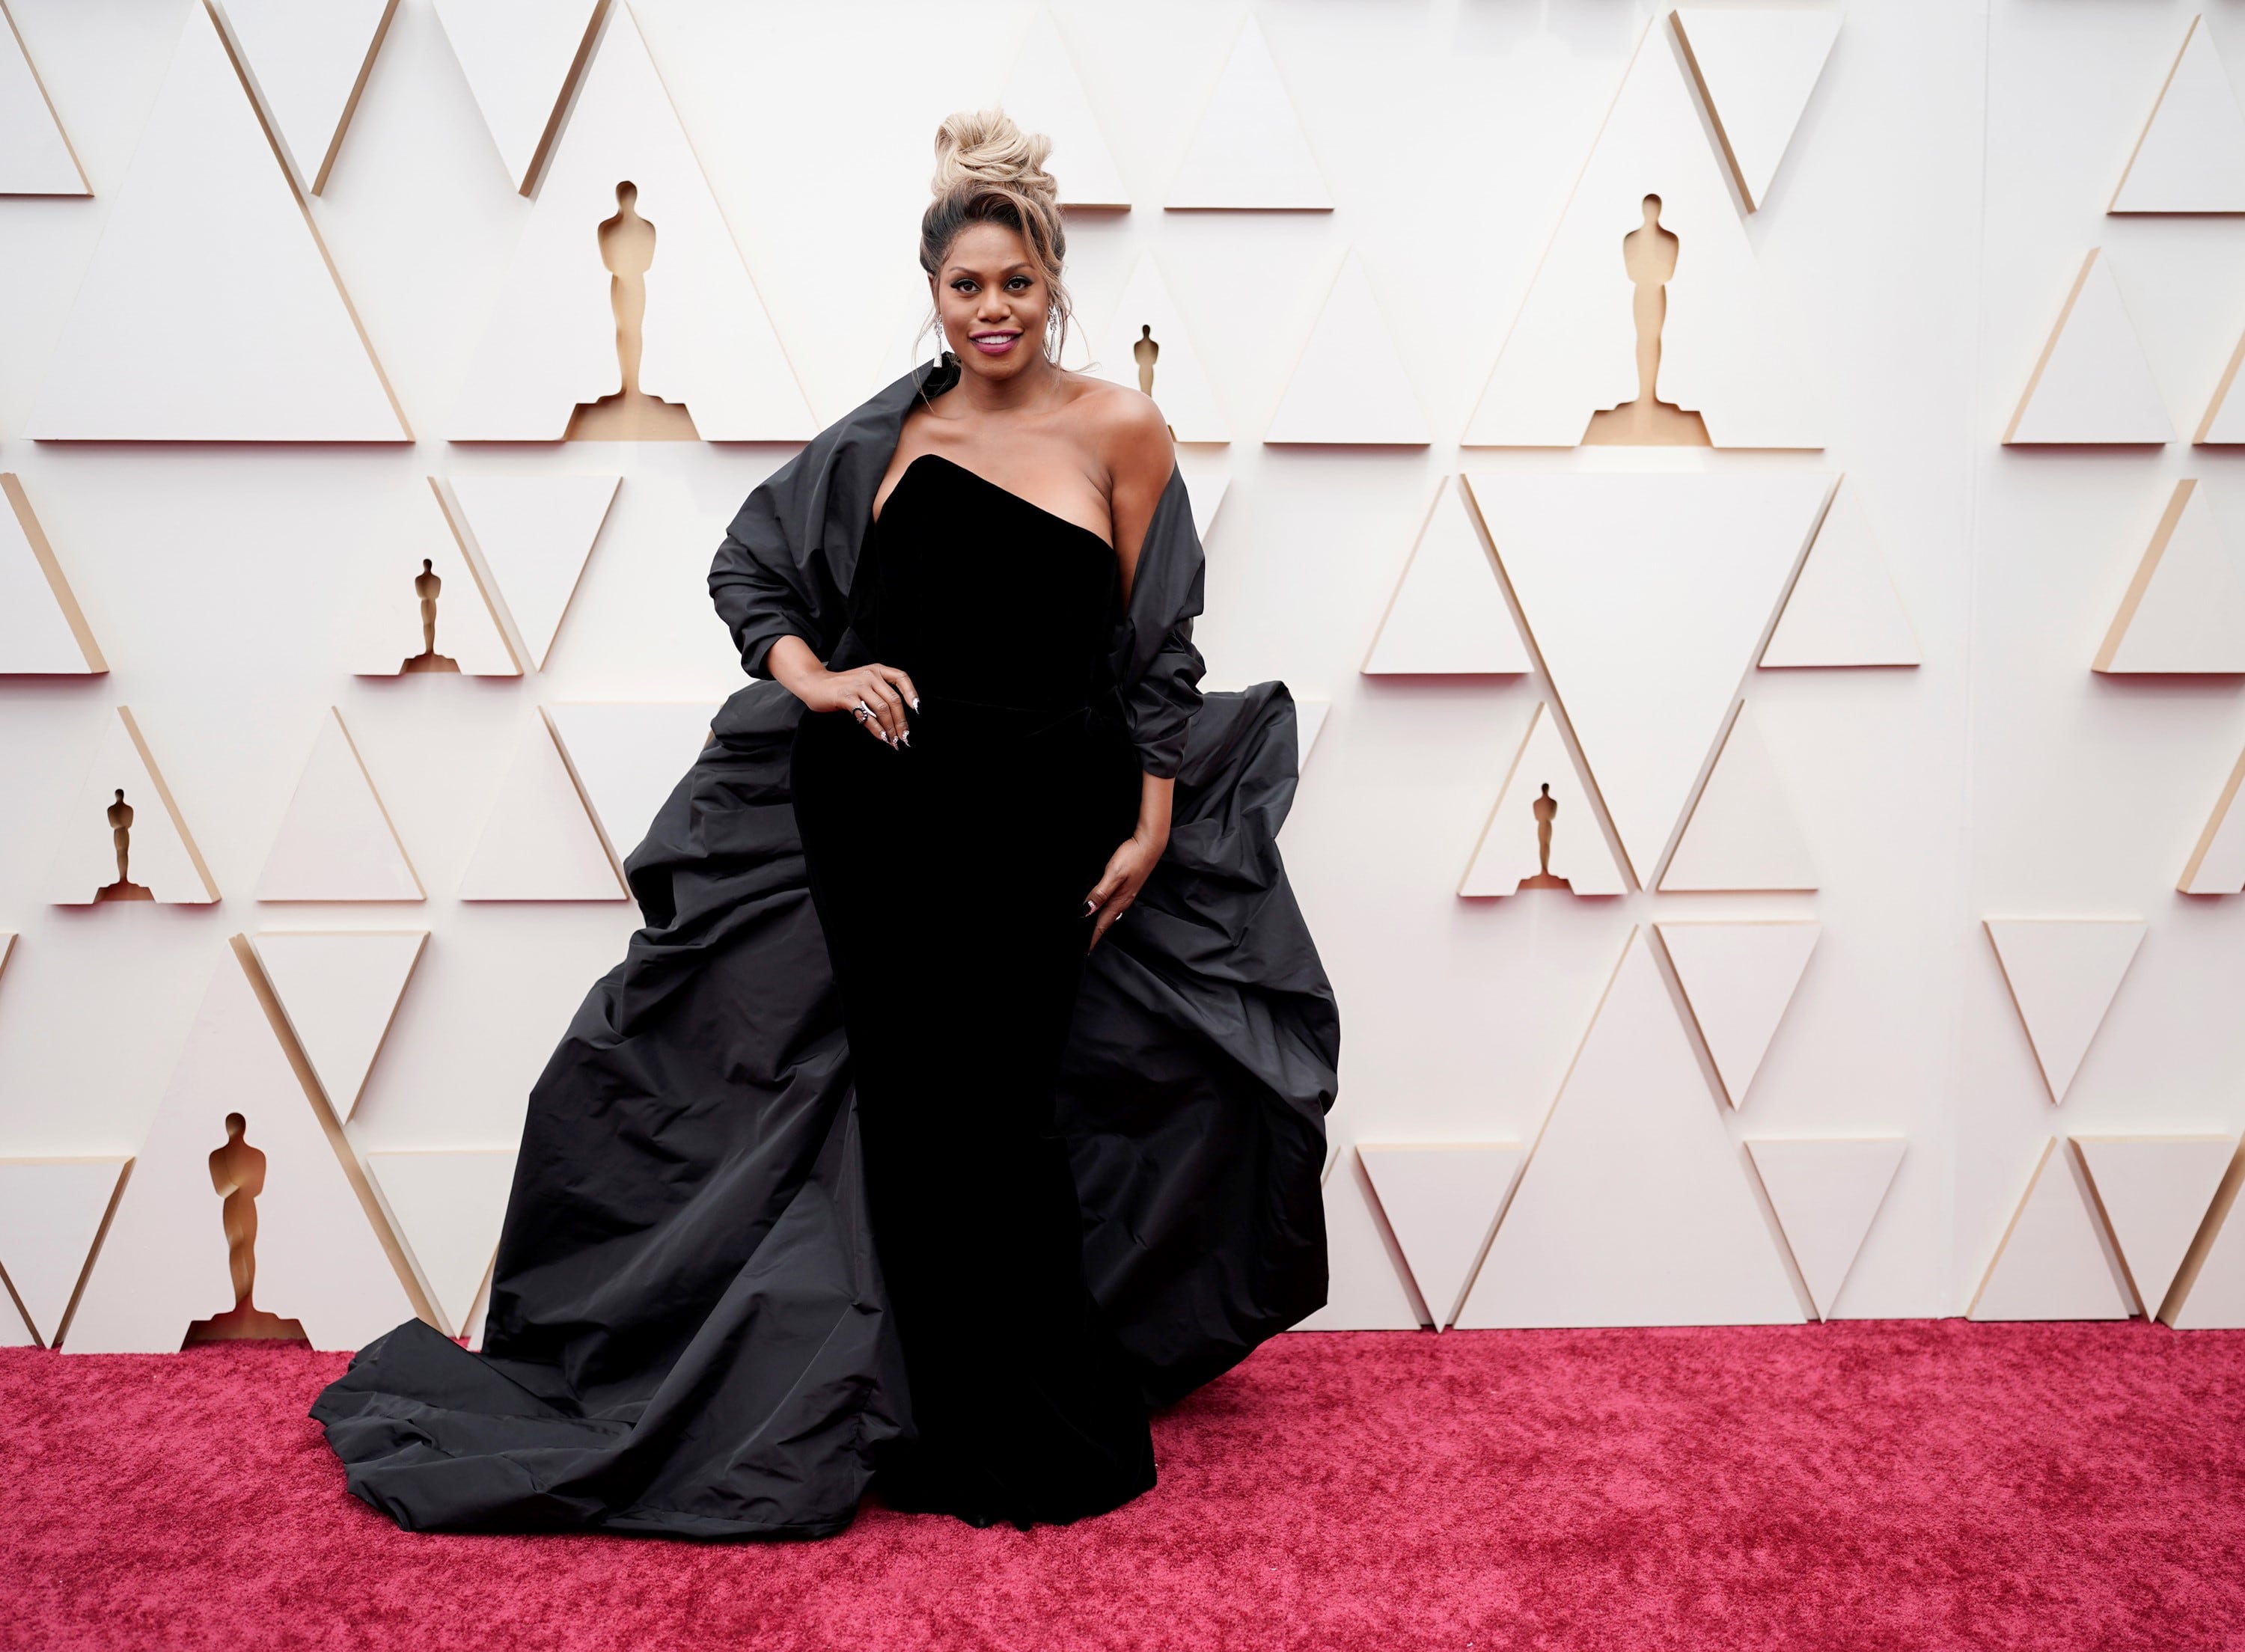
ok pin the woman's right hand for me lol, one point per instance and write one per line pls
(883, 691)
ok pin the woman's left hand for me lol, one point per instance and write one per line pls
(1128, 869)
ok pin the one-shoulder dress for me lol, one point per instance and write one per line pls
(856, 1172)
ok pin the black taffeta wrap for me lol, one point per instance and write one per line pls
(687, 1333)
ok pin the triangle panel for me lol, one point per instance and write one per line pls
(1146, 324)
(449, 1205)
(2153, 1192)
(1635, 1209)
(1350, 387)
(2209, 1293)
(1441, 1204)
(340, 992)
(522, 59)
(317, 1258)
(2091, 383)
(1739, 979)
(1208, 477)
(2054, 1261)
(2062, 974)
(1248, 153)
(52, 1212)
(1510, 858)
(1827, 1192)
(2216, 865)
(1647, 595)
(407, 625)
(248, 337)
(1366, 1290)
(43, 631)
(1842, 609)
(540, 843)
(125, 813)
(36, 158)
(549, 346)
(1743, 833)
(1448, 614)
(1572, 350)
(336, 842)
(2191, 156)
(627, 759)
(2184, 611)
(1755, 68)
(1044, 94)
(535, 533)
(306, 65)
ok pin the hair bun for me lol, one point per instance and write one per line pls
(984, 147)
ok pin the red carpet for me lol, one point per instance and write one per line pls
(1887, 1485)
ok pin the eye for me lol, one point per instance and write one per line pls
(1020, 284)
(964, 284)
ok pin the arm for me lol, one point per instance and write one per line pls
(1141, 459)
(886, 690)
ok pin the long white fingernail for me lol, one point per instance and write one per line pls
(915, 704)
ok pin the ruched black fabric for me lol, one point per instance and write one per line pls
(691, 1332)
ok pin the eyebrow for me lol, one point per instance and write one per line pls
(1022, 269)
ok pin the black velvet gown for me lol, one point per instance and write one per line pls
(958, 944)
(822, 1184)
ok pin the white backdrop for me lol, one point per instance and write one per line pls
(1950, 171)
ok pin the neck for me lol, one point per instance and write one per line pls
(1018, 392)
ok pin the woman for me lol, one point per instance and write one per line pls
(858, 1164)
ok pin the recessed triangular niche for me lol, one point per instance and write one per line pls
(43, 631)
(2055, 1259)
(1145, 346)
(1448, 615)
(2091, 383)
(1635, 1207)
(211, 311)
(339, 989)
(2190, 157)
(2184, 610)
(535, 533)
(2062, 974)
(123, 838)
(1651, 206)
(1542, 794)
(1842, 609)
(625, 200)
(35, 158)
(1350, 387)
(522, 59)
(306, 66)
(2216, 865)
(423, 610)
(1249, 152)
(1755, 67)
(1743, 833)
(336, 842)
(237, 1107)
(1826, 1191)
(539, 843)
(1647, 594)
(1044, 94)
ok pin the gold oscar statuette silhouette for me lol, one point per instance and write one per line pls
(631, 415)
(426, 584)
(120, 836)
(1547, 810)
(1649, 254)
(237, 1172)
(1146, 349)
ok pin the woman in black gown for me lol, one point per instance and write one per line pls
(925, 1177)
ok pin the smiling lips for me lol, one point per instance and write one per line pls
(993, 343)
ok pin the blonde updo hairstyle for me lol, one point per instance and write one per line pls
(988, 170)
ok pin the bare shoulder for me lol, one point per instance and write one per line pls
(1126, 430)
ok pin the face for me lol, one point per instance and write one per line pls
(993, 302)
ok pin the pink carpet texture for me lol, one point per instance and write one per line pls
(1885, 1486)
